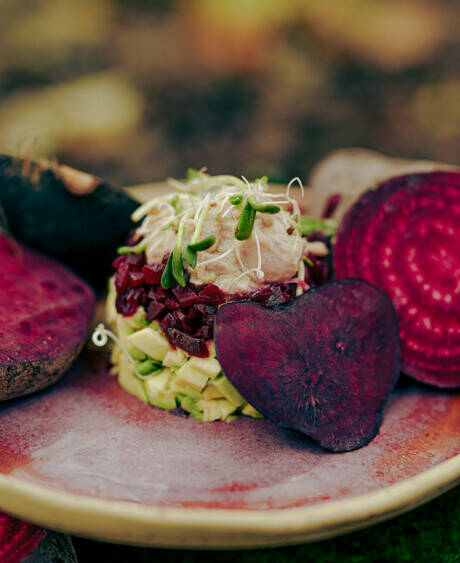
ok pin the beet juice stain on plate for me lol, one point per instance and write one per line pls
(88, 436)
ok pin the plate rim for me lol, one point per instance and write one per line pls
(186, 527)
(211, 528)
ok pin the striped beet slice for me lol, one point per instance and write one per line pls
(404, 237)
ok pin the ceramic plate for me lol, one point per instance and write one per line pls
(85, 457)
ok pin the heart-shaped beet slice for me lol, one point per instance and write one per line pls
(323, 364)
(45, 311)
(404, 237)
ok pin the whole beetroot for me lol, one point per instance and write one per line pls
(78, 219)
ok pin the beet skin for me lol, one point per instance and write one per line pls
(404, 236)
(323, 364)
(45, 314)
(82, 231)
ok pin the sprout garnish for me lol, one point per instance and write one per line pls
(246, 222)
(198, 196)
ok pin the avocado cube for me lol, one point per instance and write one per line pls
(249, 410)
(150, 342)
(207, 366)
(138, 320)
(135, 352)
(187, 375)
(177, 386)
(211, 392)
(195, 413)
(211, 348)
(174, 358)
(228, 391)
(226, 408)
(188, 404)
(110, 309)
(193, 393)
(129, 381)
(123, 330)
(158, 391)
(211, 410)
(147, 367)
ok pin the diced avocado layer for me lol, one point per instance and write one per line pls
(169, 376)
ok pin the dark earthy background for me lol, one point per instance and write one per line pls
(137, 90)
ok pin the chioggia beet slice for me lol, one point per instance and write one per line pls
(323, 364)
(45, 310)
(404, 237)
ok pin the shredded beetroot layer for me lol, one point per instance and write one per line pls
(404, 238)
(185, 314)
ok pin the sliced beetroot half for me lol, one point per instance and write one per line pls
(404, 237)
(323, 364)
(45, 311)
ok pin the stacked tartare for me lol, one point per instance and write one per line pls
(214, 239)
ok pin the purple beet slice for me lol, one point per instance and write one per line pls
(323, 364)
(45, 311)
(404, 238)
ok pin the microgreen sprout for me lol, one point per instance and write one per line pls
(309, 225)
(246, 222)
(203, 244)
(192, 173)
(177, 266)
(190, 254)
(263, 207)
(139, 247)
(167, 279)
(236, 199)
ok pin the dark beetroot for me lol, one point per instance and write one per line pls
(45, 312)
(323, 364)
(80, 230)
(404, 238)
(186, 314)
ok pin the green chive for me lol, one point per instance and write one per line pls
(246, 222)
(308, 261)
(167, 279)
(263, 207)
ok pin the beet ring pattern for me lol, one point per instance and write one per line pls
(404, 237)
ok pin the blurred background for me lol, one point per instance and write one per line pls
(137, 90)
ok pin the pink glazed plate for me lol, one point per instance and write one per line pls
(86, 457)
